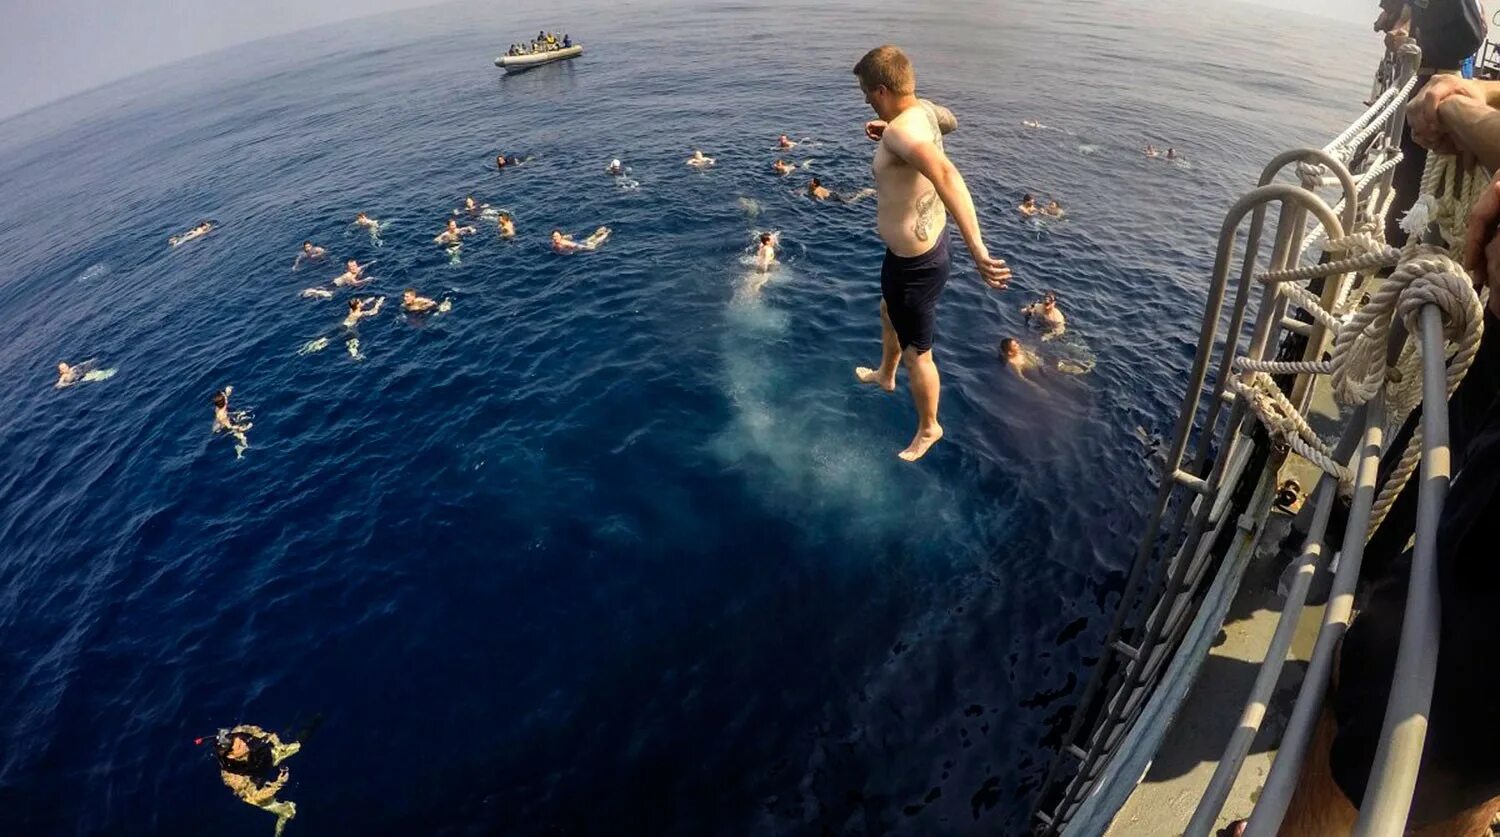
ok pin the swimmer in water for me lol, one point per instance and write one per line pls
(317, 293)
(231, 424)
(783, 168)
(700, 161)
(353, 275)
(502, 161)
(1054, 209)
(1151, 151)
(1047, 313)
(1018, 358)
(454, 234)
(363, 220)
(1171, 153)
(472, 207)
(1030, 123)
(69, 375)
(507, 225)
(817, 191)
(565, 243)
(198, 231)
(765, 256)
(615, 168)
(785, 143)
(1027, 207)
(417, 304)
(360, 309)
(310, 253)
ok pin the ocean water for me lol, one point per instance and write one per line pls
(616, 545)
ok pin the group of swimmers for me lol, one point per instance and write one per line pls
(544, 42)
(1153, 151)
(1028, 207)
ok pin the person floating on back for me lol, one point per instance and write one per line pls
(565, 243)
(203, 228)
(249, 758)
(917, 186)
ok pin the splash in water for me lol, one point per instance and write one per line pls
(311, 346)
(94, 271)
(353, 346)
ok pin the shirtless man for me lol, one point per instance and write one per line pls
(203, 228)
(785, 143)
(1047, 313)
(225, 423)
(352, 276)
(1017, 358)
(68, 375)
(1028, 206)
(700, 161)
(453, 234)
(507, 226)
(765, 256)
(363, 220)
(817, 191)
(565, 243)
(359, 309)
(917, 187)
(309, 252)
(416, 304)
(783, 168)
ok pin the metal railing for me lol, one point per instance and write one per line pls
(1231, 454)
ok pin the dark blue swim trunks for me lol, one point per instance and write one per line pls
(910, 286)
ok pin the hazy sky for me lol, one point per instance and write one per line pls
(50, 49)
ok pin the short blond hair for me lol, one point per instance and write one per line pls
(886, 65)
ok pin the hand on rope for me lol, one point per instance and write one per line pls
(1427, 126)
(1482, 248)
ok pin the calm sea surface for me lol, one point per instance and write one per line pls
(615, 545)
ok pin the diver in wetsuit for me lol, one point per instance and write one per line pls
(248, 759)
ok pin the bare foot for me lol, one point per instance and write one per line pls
(866, 375)
(921, 442)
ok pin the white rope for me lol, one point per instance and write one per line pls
(1463, 323)
(1357, 364)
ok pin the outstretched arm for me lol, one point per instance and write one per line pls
(933, 164)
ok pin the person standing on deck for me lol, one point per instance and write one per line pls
(917, 186)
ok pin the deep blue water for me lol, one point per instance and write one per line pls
(609, 548)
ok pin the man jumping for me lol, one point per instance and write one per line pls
(917, 187)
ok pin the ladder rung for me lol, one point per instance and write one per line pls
(1077, 752)
(1187, 480)
(1119, 645)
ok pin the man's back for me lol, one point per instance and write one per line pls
(910, 216)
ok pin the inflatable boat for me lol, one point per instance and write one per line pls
(514, 63)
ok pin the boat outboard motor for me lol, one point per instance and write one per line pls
(1450, 31)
